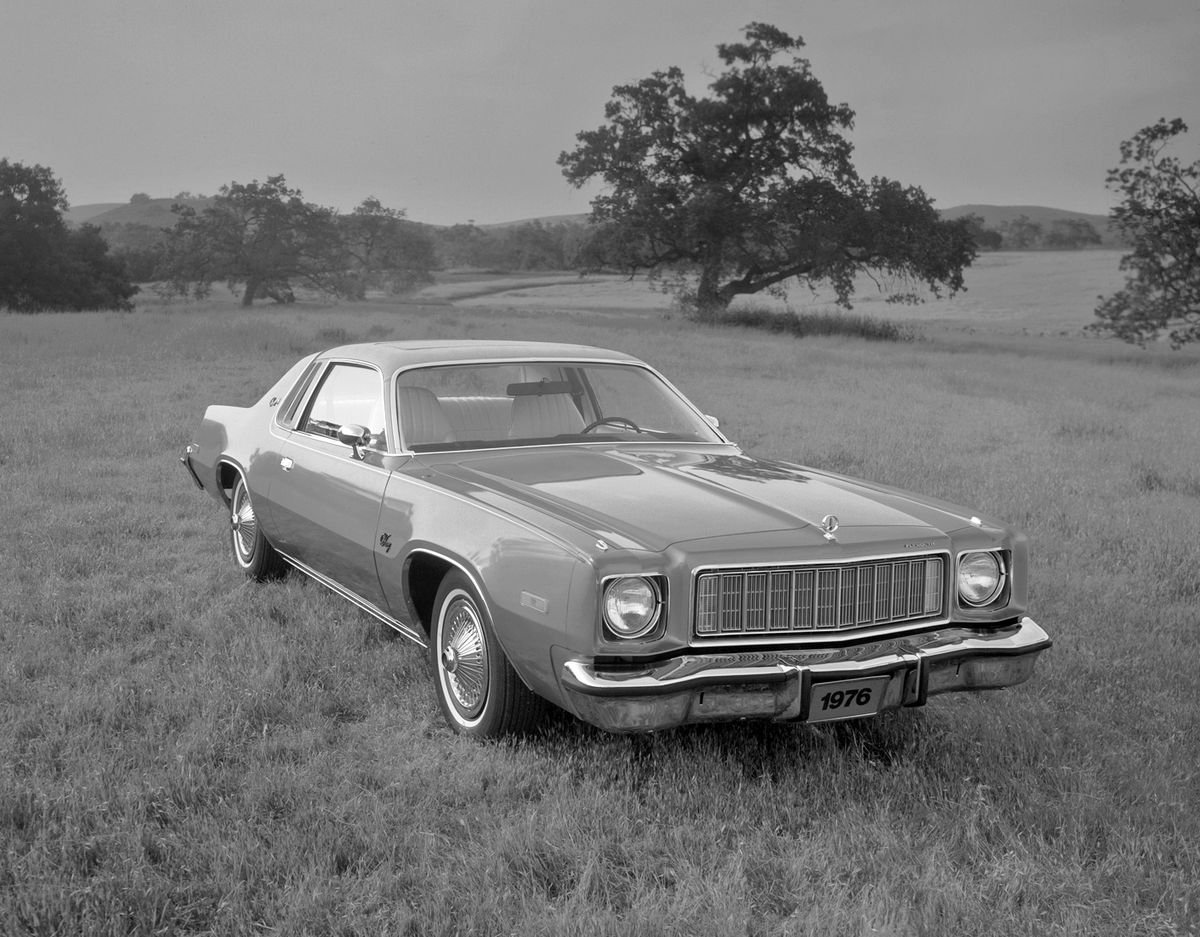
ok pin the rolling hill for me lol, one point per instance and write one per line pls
(155, 212)
(996, 216)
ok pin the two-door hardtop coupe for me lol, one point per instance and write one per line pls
(557, 522)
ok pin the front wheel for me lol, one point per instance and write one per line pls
(477, 688)
(252, 551)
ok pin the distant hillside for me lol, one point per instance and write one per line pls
(545, 221)
(81, 213)
(995, 216)
(154, 212)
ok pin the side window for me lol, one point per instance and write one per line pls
(290, 411)
(349, 393)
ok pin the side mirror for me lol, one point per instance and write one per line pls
(355, 436)
(712, 421)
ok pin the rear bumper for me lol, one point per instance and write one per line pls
(779, 685)
(186, 461)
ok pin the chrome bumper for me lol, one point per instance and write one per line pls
(778, 684)
(186, 461)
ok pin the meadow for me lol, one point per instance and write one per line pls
(183, 752)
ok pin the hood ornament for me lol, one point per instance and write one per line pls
(829, 524)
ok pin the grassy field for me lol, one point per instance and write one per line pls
(1035, 293)
(182, 752)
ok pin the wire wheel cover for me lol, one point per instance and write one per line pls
(462, 658)
(245, 523)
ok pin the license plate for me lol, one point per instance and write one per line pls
(845, 699)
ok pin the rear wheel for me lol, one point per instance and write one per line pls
(477, 688)
(252, 551)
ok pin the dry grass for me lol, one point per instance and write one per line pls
(185, 753)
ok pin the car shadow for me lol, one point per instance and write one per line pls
(762, 749)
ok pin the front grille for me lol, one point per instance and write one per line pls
(819, 598)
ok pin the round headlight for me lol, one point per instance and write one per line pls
(980, 578)
(630, 606)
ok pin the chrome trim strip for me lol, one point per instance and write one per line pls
(414, 635)
(799, 640)
(466, 571)
(690, 672)
(865, 558)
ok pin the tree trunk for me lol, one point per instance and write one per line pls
(250, 292)
(711, 300)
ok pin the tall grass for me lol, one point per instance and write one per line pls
(813, 324)
(182, 752)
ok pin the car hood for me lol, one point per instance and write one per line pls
(651, 499)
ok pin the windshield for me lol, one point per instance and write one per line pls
(536, 403)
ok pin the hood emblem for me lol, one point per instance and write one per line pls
(829, 523)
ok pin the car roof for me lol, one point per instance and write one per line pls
(391, 356)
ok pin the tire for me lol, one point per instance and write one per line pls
(480, 694)
(252, 552)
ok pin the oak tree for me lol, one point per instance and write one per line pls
(260, 234)
(385, 249)
(1159, 215)
(752, 185)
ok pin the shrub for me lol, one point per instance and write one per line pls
(803, 325)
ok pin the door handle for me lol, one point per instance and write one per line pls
(286, 464)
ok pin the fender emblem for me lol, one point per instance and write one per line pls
(386, 542)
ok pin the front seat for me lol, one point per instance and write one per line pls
(539, 415)
(421, 417)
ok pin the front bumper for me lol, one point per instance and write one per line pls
(779, 684)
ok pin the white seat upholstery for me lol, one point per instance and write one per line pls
(477, 417)
(421, 417)
(537, 416)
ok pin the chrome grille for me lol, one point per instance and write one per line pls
(819, 598)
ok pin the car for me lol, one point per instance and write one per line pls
(558, 525)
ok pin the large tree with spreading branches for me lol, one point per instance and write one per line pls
(259, 234)
(1159, 215)
(752, 185)
(385, 249)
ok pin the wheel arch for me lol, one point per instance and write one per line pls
(424, 570)
(228, 472)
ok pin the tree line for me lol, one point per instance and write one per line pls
(262, 239)
(1023, 233)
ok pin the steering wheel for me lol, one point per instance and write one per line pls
(611, 421)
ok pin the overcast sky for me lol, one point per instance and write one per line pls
(458, 110)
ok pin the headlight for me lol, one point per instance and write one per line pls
(980, 578)
(631, 606)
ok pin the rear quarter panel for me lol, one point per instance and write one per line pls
(232, 435)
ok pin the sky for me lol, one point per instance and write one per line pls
(456, 110)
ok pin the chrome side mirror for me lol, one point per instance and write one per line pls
(712, 421)
(355, 436)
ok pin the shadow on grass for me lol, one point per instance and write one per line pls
(761, 749)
